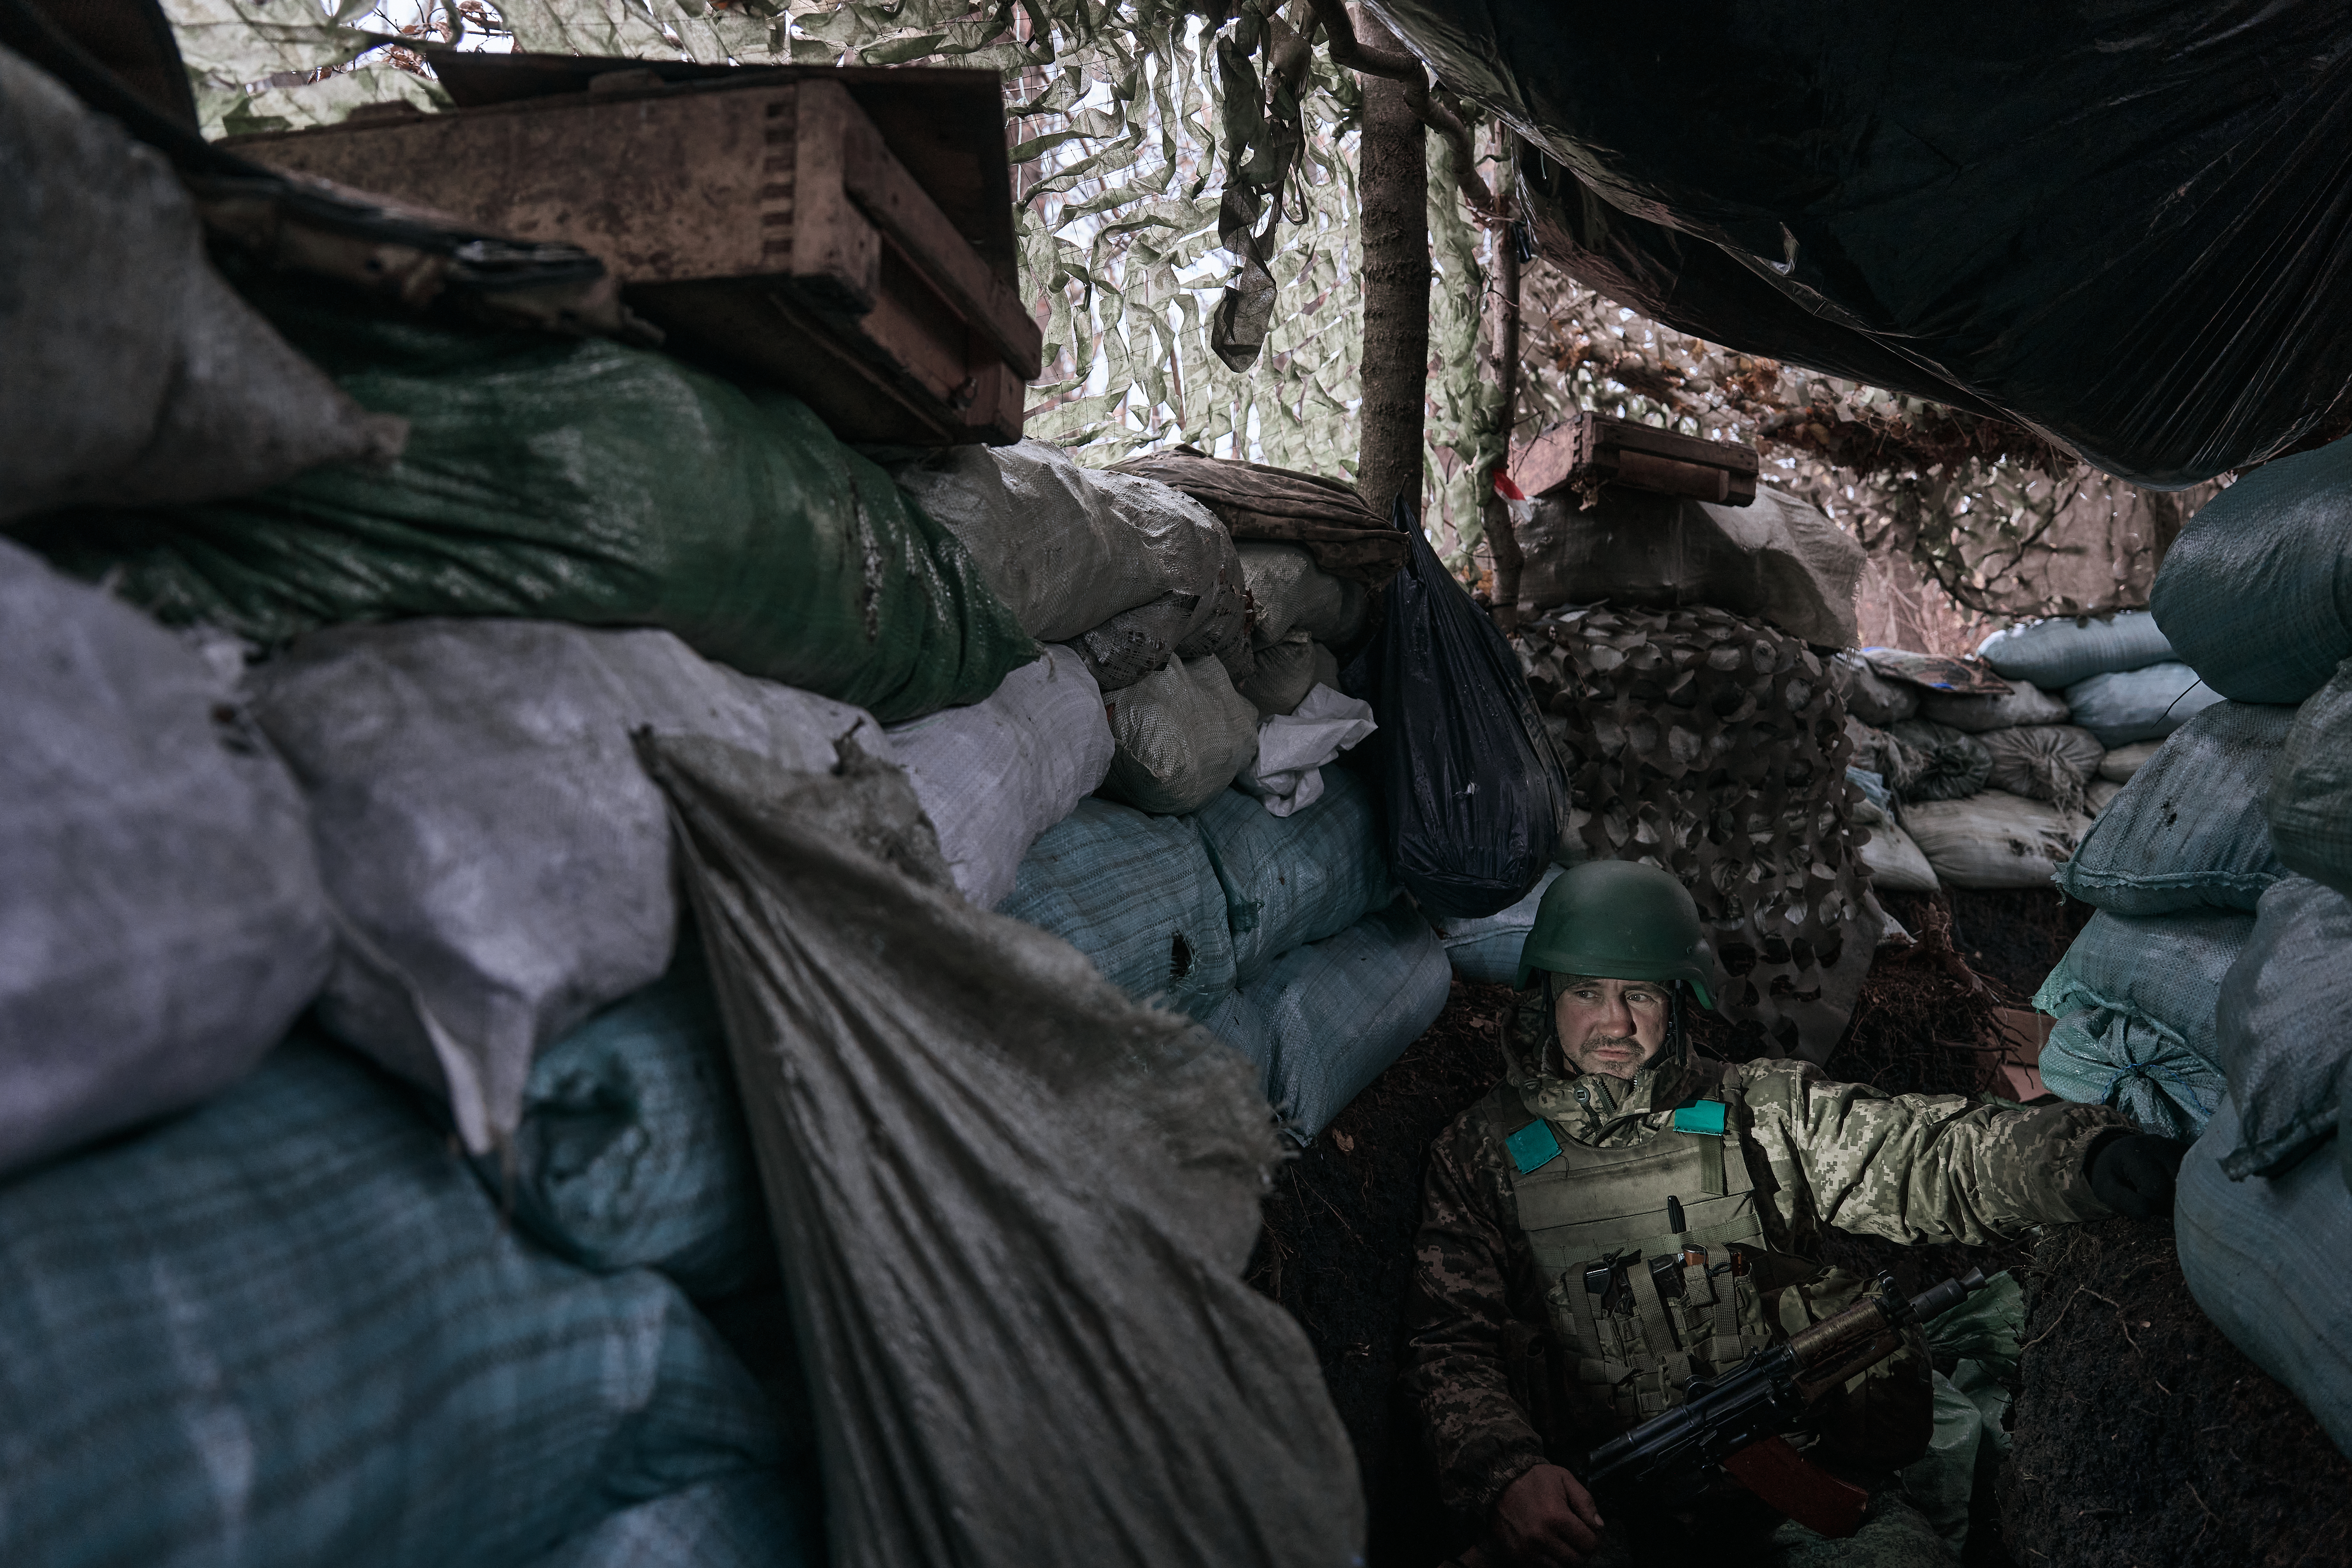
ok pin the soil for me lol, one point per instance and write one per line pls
(1339, 1223)
(2143, 1438)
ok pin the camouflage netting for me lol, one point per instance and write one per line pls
(1717, 748)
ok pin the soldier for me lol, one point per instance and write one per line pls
(1539, 1329)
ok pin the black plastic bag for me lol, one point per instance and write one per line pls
(2127, 225)
(1473, 790)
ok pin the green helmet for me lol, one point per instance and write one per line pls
(1617, 920)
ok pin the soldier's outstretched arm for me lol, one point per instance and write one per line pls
(1922, 1167)
(1459, 1310)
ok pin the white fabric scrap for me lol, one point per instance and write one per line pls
(1287, 772)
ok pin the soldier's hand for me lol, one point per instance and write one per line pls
(1546, 1518)
(2133, 1172)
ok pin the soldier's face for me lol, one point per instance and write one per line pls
(1610, 1026)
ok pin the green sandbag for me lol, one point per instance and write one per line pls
(576, 479)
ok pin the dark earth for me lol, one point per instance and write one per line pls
(2107, 1469)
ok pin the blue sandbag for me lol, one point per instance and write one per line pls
(1235, 1020)
(2188, 830)
(1342, 1009)
(292, 1328)
(2107, 1057)
(633, 1152)
(2256, 593)
(1293, 879)
(1486, 951)
(751, 1520)
(1137, 894)
(2134, 998)
(2266, 1260)
(2139, 704)
(2056, 653)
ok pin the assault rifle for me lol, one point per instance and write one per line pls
(1733, 1422)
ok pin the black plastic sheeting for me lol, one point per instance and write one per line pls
(2126, 225)
(1473, 793)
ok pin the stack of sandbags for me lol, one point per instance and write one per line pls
(1715, 747)
(2257, 595)
(292, 1323)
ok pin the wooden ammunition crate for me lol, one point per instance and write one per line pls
(844, 234)
(1589, 450)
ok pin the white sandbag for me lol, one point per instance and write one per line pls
(1776, 558)
(2120, 764)
(2139, 704)
(2023, 704)
(1050, 537)
(1291, 594)
(1342, 1009)
(993, 777)
(2059, 652)
(133, 374)
(161, 920)
(1181, 733)
(1897, 864)
(2099, 794)
(1286, 772)
(1485, 951)
(1994, 838)
(1869, 695)
(2049, 762)
(2265, 1258)
(501, 863)
(1011, 1209)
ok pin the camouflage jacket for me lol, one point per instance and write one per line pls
(1913, 1168)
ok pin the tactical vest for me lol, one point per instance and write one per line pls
(1629, 1336)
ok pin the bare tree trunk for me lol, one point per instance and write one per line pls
(1501, 539)
(1393, 181)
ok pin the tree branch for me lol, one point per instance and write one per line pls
(1440, 113)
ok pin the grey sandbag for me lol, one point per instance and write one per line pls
(134, 373)
(1896, 861)
(2142, 704)
(1012, 1207)
(2256, 593)
(1994, 838)
(2310, 804)
(2049, 762)
(2164, 969)
(1181, 736)
(2265, 1259)
(2284, 1024)
(1137, 895)
(1342, 1009)
(501, 865)
(1870, 696)
(2056, 653)
(1776, 558)
(1284, 672)
(1058, 543)
(2187, 830)
(1290, 593)
(2122, 763)
(160, 918)
(291, 1327)
(631, 1151)
(1293, 879)
(2023, 704)
(1954, 764)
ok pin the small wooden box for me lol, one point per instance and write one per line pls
(1589, 450)
(760, 217)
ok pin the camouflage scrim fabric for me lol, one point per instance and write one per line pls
(1913, 1168)
(1717, 748)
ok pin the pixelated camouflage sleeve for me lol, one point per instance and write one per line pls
(1469, 1257)
(1921, 1167)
